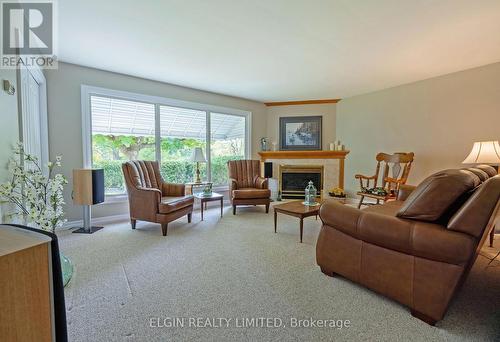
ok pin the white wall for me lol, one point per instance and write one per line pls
(9, 127)
(438, 119)
(64, 112)
(327, 111)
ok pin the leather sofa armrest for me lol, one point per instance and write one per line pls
(173, 189)
(260, 183)
(405, 191)
(340, 216)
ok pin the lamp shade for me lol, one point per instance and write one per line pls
(484, 152)
(198, 155)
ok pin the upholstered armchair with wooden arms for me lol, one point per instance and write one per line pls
(246, 186)
(395, 171)
(151, 198)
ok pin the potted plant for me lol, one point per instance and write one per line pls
(36, 193)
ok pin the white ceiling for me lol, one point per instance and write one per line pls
(281, 50)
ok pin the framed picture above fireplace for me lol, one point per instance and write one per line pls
(299, 133)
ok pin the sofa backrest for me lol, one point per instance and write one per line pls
(477, 211)
(244, 171)
(433, 197)
(142, 174)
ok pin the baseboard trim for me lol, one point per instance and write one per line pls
(96, 221)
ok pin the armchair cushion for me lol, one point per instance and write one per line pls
(169, 204)
(260, 182)
(249, 193)
(433, 196)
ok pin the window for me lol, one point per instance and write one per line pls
(121, 130)
(121, 126)
(181, 131)
(227, 142)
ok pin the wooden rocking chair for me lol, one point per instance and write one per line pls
(398, 164)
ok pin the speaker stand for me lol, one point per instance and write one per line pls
(87, 227)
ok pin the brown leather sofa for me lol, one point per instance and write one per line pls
(246, 186)
(418, 249)
(152, 199)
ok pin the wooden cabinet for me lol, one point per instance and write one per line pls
(26, 309)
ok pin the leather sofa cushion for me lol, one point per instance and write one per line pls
(379, 227)
(251, 193)
(474, 215)
(433, 196)
(490, 170)
(170, 204)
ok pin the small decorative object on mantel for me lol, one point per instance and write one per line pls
(300, 133)
(311, 192)
(274, 143)
(337, 146)
(264, 144)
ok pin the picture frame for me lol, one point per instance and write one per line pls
(300, 133)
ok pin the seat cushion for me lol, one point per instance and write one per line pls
(379, 226)
(438, 192)
(251, 193)
(169, 204)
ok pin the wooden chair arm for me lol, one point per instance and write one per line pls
(399, 181)
(358, 176)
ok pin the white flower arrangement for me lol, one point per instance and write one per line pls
(38, 198)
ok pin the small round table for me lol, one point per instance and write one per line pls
(209, 198)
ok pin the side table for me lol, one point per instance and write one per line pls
(209, 198)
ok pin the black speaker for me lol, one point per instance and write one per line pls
(97, 186)
(268, 170)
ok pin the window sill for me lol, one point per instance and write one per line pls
(121, 198)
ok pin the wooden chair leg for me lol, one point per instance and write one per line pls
(190, 215)
(267, 208)
(164, 228)
(133, 223)
(234, 209)
(492, 236)
(360, 202)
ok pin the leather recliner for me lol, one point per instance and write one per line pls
(246, 186)
(418, 249)
(151, 198)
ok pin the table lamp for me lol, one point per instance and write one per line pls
(198, 157)
(484, 152)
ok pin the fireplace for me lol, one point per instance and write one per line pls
(293, 179)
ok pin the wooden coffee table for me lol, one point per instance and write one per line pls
(297, 209)
(212, 197)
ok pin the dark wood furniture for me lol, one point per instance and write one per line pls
(151, 198)
(395, 170)
(204, 199)
(296, 209)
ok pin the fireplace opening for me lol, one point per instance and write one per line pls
(295, 178)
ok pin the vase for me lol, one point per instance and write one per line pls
(66, 268)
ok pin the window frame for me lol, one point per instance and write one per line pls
(88, 91)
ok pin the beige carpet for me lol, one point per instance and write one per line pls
(236, 267)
